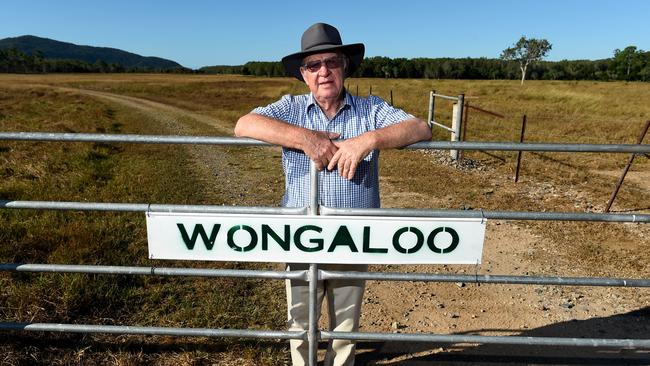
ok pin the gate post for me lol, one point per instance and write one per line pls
(432, 101)
(312, 332)
(456, 122)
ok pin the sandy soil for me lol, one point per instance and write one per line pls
(488, 309)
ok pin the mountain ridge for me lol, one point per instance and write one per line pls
(54, 49)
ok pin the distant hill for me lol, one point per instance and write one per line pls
(52, 49)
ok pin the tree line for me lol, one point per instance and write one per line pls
(15, 61)
(629, 64)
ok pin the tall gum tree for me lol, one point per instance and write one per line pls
(526, 51)
(629, 63)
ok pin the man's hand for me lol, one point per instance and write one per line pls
(349, 154)
(316, 144)
(319, 147)
(352, 151)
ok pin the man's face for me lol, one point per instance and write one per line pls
(324, 74)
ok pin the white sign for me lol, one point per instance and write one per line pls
(314, 239)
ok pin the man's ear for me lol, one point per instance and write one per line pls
(303, 72)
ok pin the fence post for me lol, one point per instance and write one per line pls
(639, 140)
(456, 122)
(463, 135)
(521, 139)
(391, 97)
(432, 100)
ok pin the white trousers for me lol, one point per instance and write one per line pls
(344, 307)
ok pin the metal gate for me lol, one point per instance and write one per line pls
(313, 334)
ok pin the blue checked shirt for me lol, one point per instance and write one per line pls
(356, 116)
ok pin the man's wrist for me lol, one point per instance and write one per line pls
(370, 140)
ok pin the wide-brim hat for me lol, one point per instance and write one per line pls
(320, 38)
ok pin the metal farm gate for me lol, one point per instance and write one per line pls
(313, 335)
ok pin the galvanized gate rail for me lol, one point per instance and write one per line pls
(312, 335)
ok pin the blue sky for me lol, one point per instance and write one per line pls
(202, 33)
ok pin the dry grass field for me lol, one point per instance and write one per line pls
(576, 112)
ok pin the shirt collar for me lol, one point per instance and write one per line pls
(347, 101)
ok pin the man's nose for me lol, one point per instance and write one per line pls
(324, 70)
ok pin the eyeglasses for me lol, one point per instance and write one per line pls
(330, 63)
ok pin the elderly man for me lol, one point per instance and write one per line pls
(342, 135)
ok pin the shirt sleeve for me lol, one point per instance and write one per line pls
(384, 114)
(278, 110)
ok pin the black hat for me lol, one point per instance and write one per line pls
(320, 38)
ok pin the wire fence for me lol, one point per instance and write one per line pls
(313, 334)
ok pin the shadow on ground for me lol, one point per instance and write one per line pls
(632, 325)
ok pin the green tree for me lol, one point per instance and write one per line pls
(628, 63)
(526, 51)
